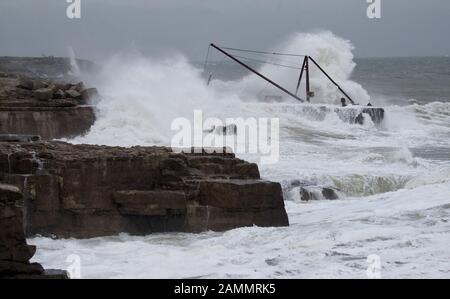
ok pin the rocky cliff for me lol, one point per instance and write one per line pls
(48, 108)
(44, 67)
(63, 190)
(85, 191)
(15, 253)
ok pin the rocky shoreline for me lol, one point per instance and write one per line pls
(50, 109)
(86, 191)
(64, 190)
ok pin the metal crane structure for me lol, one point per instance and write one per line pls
(377, 114)
(304, 70)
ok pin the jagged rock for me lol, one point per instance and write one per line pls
(59, 94)
(43, 94)
(36, 106)
(31, 84)
(87, 191)
(329, 193)
(38, 84)
(79, 87)
(14, 251)
(72, 93)
(62, 86)
(26, 83)
(309, 190)
(308, 193)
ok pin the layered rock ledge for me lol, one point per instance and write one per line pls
(48, 108)
(87, 191)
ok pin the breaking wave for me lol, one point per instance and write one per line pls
(141, 97)
(393, 179)
(331, 52)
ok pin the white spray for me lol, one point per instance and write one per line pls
(142, 96)
(74, 68)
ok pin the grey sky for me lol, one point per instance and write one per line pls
(35, 27)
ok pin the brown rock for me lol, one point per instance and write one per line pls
(308, 193)
(38, 84)
(72, 93)
(155, 202)
(247, 170)
(11, 269)
(305, 194)
(241, 194)
(59, 94)
(329, 193)
(62, 86)
(88, 191)
(26, 83)
(201, 218)
(14, 251)
(9, 194)
(43, 94)
(23, 253)
(79, 87)
(55, 119)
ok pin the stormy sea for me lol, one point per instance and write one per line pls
(392, 179)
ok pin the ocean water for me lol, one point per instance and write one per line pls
(393, 179)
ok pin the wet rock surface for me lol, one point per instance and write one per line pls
(39, 92)
(15, 253)
(50, 109)
(354, 114)
(86, 191)
(307, 191)
(63, 190)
